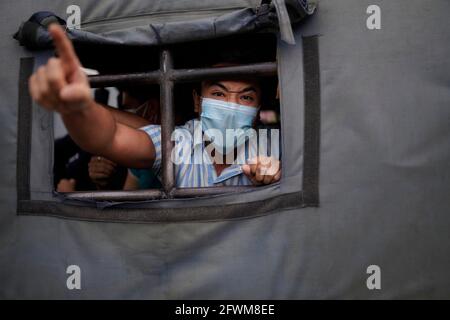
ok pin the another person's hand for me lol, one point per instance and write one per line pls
(263, 170)
(61, 85)
(101, 170)
(66, 185)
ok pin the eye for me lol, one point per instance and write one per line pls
(218, 94)
(247, 98)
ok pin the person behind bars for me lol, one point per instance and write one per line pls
(62, 86)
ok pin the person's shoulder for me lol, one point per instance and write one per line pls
(185, 133)
(152, 130)
(189, 125)
(188, 128)
(151, 127)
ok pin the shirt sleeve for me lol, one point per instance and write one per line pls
(134, 172)
(154, 132)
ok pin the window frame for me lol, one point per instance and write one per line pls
(38, 198)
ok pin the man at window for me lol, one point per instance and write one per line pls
(62, 86)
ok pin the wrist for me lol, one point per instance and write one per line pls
(80, 109)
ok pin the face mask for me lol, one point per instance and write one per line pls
(138, 110)
(132, 111)
(221, 115)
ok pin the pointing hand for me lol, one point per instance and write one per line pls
(61, 85)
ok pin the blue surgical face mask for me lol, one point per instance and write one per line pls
(222, 115)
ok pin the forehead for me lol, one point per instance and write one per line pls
(232, 84)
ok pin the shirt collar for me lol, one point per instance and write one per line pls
(228, 173)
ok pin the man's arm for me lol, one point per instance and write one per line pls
(96, 131)
(127, 118)
(62, 86)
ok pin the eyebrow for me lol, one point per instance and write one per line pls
(247, 89)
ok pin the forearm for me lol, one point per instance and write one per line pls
(92, 128)
(62, 86)
(127, 118)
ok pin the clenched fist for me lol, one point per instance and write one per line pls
(61, 85)
(101, 170)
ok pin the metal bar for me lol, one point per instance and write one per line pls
(260, 69)
(125, 79)
(210, 191)
(184, 75)
(167, 121)
(139, 195)
(142, 195)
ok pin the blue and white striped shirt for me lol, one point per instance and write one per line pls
(195, 173)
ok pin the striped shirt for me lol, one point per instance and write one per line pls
(198, 171)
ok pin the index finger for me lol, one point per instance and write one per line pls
(64, 48)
